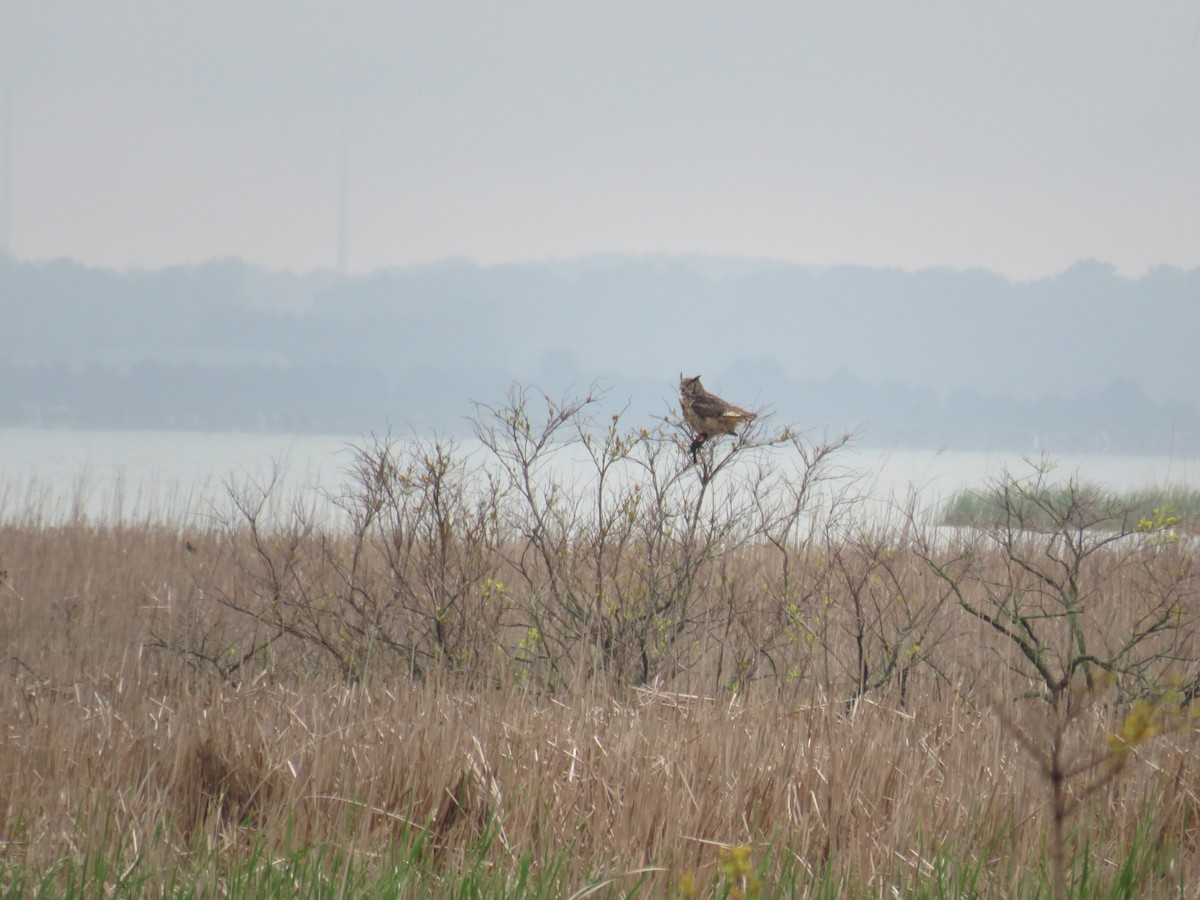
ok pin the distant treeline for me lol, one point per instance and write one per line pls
(1087, 360)
(357, 400)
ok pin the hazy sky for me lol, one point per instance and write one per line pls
(1018, 135)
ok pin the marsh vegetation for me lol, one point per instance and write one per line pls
(727, 678)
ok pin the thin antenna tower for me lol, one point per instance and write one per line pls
(6, 153)
(343, 220)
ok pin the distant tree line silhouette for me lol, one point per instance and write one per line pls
(334, 399)
(1086, 360)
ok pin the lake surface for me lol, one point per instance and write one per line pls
(52, 475)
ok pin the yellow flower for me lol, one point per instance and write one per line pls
(735, 862)
(687, 884)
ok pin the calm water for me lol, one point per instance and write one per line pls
(177, 476)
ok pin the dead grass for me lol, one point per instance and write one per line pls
(114, 749)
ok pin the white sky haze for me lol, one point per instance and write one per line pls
(1016, 136)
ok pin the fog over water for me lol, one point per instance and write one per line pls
(941, 226)
(179, 477)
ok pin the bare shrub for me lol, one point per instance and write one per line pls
(628, 560)
(1039, 573)
(409, 584)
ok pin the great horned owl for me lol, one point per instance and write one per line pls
(707, 413)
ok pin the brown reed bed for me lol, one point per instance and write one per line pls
(720, 679)
(117, 749)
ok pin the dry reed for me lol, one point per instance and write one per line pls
(115, 746)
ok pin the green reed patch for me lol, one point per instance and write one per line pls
(1175, 508)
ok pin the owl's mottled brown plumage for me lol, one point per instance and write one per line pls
(707, 413)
